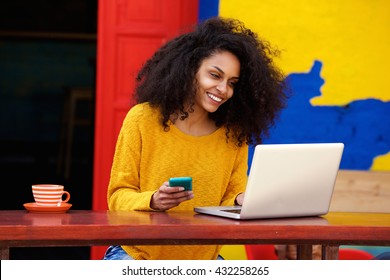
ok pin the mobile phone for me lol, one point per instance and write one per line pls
(185, 182)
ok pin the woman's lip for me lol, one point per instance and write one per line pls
(214, 97)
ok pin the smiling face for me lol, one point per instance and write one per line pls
(217, 76)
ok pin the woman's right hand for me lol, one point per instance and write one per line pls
(167, 197)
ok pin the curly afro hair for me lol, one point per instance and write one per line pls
(168, 79)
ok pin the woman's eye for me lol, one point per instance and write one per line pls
(233, 84)
(214, 75)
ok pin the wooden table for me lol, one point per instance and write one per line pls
(20, 228)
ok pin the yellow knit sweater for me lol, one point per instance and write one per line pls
(146, 156)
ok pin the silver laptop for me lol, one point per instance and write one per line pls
(287, 180)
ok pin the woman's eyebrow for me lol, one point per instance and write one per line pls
(220, 70)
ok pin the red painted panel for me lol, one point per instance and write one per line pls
(128, 49)
(129, 31)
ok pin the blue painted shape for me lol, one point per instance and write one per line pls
(362, 125)
(208, 9)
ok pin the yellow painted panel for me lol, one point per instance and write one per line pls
(233, 252)
(381, 163)
(350, 37)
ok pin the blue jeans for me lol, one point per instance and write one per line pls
(117, 253)
(383, 256)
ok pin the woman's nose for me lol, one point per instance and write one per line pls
(222, 87)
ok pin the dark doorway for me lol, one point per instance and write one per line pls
(47, 49)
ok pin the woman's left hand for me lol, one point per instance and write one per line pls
(167, 197)
(240, 199)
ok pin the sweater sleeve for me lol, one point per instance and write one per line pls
(238, 178)
(124, 191)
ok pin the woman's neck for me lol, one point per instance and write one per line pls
(196, 124)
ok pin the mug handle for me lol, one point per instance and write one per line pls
(67, 196)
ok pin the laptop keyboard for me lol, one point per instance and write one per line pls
(237, 211)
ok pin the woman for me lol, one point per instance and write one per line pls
(202, 99)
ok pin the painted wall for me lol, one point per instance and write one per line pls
(335, 56)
